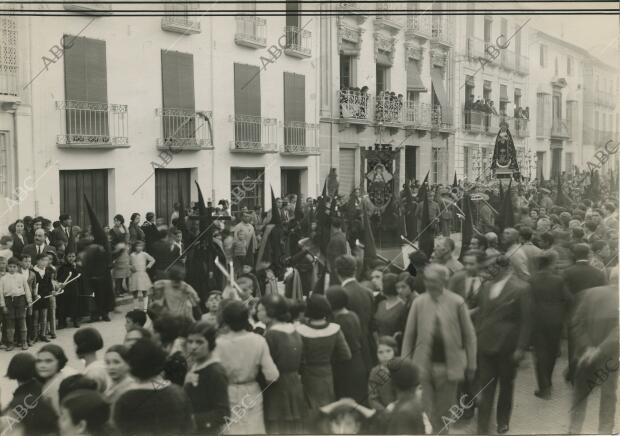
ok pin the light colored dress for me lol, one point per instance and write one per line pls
(139, 280)
(243, 354)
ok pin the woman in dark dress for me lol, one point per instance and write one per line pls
(392, 310)
(206, 384)
(284, 399)
(323, 343)
(155, 406)
(41, 418)
(550, 302)
(350, 377)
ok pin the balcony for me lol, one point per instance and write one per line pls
(417, 116)
(389, 109)
(508, 60)
(354, 107)
(297, 42)
(179, 20)
(8, 57)
(418, 26)
(520, 127)
(92, 125)
(184, 129)
(300, 139)
(522, 65)
(88, 8)
(251, 32)
(254, 134)
(559, 129)
(441, 31)
(442, 118)
(475, 121)
(390, 21)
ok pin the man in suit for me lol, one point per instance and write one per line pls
(151, 234)
(531, 251)
(579, 277)
(440, 339)
(503, 329)
(63, 233)
(40, 246)
(164, 252)
(360, 301)
(514, 253)
(595, 329)
(336, 247)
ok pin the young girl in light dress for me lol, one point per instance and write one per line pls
(139, 282)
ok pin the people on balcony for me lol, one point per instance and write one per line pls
(389, 106)
(354, 102)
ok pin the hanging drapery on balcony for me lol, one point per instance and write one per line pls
(487, 85)
(440, 93)
(414, 81)
(503, 93)
(517, 92)
(383, 58)
(469, 81)
(349, 48)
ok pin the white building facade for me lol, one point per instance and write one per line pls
(385, 94)
(492, 66)
(130, 111)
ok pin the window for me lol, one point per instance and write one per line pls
(177, 70)
(543, 55)
(86, 81)
(346, 71)
(486, 92)
(517, 97)
(250, 181)
(247, 106)
(488, 24)
(569, 65)
(557, 107)
(382, 78)
(346, 170)
(4, 164)
(543, 114)
(294, 110)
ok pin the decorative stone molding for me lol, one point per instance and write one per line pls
(413, 51)
(439, 57)
(350, 34)
(384, 44)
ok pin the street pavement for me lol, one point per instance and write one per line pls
(531, 415)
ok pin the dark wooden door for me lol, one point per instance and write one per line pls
(291, 181)
(168, 184)
(74, 185)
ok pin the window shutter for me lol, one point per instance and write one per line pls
(169, 80)
(96, 77)
(185, 76)
(75, 68)
(247, 90)
(346, 170)
(292, 14)
(414, 81)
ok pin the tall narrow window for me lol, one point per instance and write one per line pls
(488, 24)
(294, 111)
(248, 123)
(178, 95)
(382, 78)
(346, 71)
(543, 55)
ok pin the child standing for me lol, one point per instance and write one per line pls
(120, 267)
(26, 271)
(14, 300)
(44, 283)
(213, 306)
(380, 390)
(139, 282)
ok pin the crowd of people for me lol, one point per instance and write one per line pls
(288, 321)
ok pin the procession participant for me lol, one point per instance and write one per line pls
(443, 255)
(503, 329)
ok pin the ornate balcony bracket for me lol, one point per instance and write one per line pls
(439, 57)
(413, 51)
(350, 9)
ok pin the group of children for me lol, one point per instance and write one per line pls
(28, 300)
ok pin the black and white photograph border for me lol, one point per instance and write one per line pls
(309, 217)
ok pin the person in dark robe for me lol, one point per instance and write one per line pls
(68, 303)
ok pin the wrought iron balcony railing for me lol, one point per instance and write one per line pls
(254, 134)
(179, 20)
(8, 56)
(300, 138)
(419, 25)
(88, 123)
(522, 64)
(251, 31)
(388, 109)
(442, 118)
(442, 31)
(417, 115)
(354, 106)
(298, 42)
(559, 129)
(185, 129)
(395, 22)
